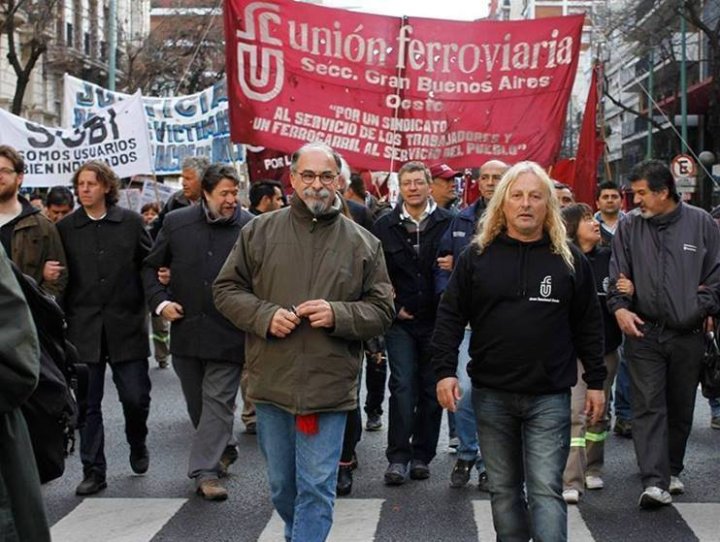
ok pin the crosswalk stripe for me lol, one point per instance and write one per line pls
(115, 520)
(354, 520)
(483, 521)
(577, 530)
(702, 518)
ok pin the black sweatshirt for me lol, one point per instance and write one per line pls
(531, 318)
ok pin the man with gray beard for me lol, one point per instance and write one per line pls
(308, 285)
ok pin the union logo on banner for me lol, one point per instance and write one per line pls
(259, 55)
(386, 90)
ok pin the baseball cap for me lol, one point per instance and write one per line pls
(443, 171)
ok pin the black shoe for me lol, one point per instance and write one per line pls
(228, 457)
(460, 474)
(483, 483)
(396, 474)
(251, 428)
(92, 483)
(419, 470)
(623, 428)
(344, 480)
(139, 459)
(373, 423)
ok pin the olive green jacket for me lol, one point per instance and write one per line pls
(35, 241)
(287, 257)
(22, 515)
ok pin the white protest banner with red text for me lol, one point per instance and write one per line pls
(384, 90)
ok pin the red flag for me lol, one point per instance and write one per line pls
(590, 147)
(563, 171)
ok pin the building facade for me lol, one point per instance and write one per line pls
(76, 35)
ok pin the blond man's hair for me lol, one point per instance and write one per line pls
(493, 221)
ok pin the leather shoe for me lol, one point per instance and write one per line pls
(460, 474)
(92, 483)
(373, 423)
(139, 459)
(344, 480)
(212, 490)
(229, 456)
(419, 470)
(396, 474)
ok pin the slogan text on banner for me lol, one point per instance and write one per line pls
(384, 90)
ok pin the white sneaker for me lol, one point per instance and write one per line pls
(571, 496)
(654, 497)
(676, 486)
(594, 482)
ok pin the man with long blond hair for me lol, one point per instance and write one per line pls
(529, 297)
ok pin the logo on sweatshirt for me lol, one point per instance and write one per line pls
(545, 291)
(546, 286)
(690, 248)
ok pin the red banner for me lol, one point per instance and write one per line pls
(384, 90)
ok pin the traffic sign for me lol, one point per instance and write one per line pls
(684, 170)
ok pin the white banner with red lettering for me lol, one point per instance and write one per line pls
(385, 90)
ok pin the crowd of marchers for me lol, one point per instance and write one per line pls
(533, 320)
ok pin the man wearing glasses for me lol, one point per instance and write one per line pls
(308, 285)
(29, 238)
(410, 235)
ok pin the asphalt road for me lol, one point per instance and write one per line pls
(161, 505)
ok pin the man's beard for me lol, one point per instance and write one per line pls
(317, 201)
(7, 194)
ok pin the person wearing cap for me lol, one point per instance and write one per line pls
(442, 188)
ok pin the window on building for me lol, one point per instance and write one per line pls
(69, 34)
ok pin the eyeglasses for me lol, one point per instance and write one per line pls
(326, 177)
(7, 171)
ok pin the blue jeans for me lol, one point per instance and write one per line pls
(525, 441)
(465, 426)
(302, 470)
(622, 389)
(714, 407)
(415, 414)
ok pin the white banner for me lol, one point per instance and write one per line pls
(178, 127)
(117, 136)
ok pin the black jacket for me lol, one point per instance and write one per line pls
(105, 290)
(412, 272)
(195, 250)
(174, 202)
(599, 259)
(668, 257)
(531, 318)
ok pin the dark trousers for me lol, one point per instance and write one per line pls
(664, 374)
(375, 379)
(414, 411)
(353, 432)
(133, 385)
